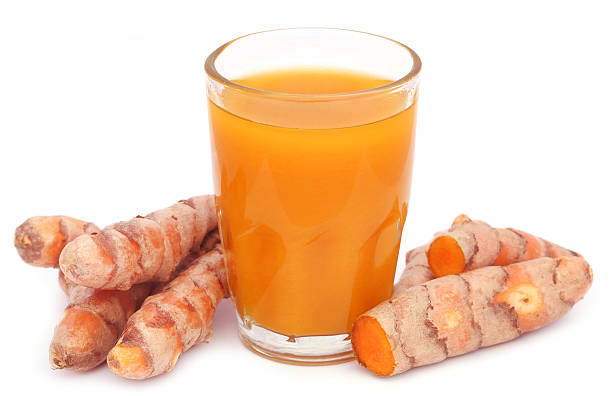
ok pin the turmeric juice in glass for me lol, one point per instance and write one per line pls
(312, 134)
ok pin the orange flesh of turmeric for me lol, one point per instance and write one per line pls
(372, 347)
(532, 248)
(445, 257)
(503, 257)
(130, 360)
(525, 298)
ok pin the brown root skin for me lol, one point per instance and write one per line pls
(94, 320)
(80, 341)
(457, 314)
(417, 270)
(40, 239)
(64, 283)
(91, 325)
(170, 322)
(454, 251)
(140, 250)
(209, 243)
(471, 244)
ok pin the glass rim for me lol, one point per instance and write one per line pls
(214, 74)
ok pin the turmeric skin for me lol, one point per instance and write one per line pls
(471, 244)
(416, 271)
(40, 239)
(94, 319)
(140, 250)
(64, 283)
(91, 324)
(210, 242)
(171, 321)
(457, 314)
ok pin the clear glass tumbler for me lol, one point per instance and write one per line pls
(311, 181)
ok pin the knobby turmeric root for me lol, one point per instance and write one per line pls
(91, 324)
(40, 240)
(457, 314)
(416, 271)
(471, 244)
(143, 249)
(64, 283)
(94, 319)
(172, 321)
(210, 242)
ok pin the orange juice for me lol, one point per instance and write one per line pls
(311, 218)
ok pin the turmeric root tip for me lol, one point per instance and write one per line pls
(91, 324)
(372, 347)
(129, 361)
(40, 239)
(445, 256)
(80, 341)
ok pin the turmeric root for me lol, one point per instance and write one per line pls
(172, 321)
(64, 283)
(143, 249)
(91, 324)
(471, 244)
(94, 319)
(416, 271)
(209, 243)
(457, 314)
(511, 246)
(40, 240)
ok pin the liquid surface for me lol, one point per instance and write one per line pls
(311, 219)
(312, 81)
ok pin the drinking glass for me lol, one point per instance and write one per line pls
(311, 189)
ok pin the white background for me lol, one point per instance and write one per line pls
(102, 117)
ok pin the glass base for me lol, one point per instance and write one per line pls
(304, 351)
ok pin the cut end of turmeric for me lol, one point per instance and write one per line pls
(445, 256)
(129, 362)
(372, 347)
